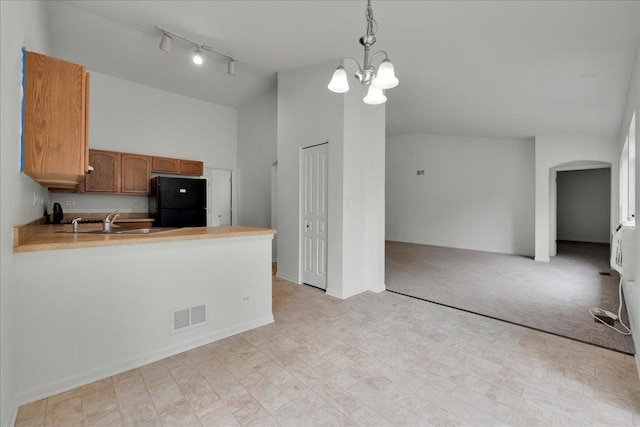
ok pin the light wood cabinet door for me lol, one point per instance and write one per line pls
(105, 177)
(165, 165)
(136, 172)
(191, 167)
(55, 116)
(177, 166)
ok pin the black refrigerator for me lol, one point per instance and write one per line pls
(178, 202)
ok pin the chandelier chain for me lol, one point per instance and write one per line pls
(372, 25)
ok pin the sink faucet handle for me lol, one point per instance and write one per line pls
(74, 223)
(110, 219)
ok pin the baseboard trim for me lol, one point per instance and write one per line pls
(291, 279)
(379, 289)
(51, 389)
(331, 293)
(13, 415)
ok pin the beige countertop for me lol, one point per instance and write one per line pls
(35, 237)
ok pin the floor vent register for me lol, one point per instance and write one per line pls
(188, 318)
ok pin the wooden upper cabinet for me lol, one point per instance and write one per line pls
(136, 171)
(105, 177)
(191, 167)
(55, 119)
(165, 165)
(177, 166)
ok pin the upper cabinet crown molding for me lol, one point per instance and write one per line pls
(55, 130)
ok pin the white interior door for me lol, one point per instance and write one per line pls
(219, 197)
(314, 215)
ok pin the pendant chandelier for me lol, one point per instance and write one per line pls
(384, 78)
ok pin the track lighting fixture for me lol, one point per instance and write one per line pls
(384, 78)
(165, 42)
(198, 58)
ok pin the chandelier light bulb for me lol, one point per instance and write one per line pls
(339, 82)
(375, 96)
(197, 57)
(386, 77)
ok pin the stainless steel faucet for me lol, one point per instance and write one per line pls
(74, 223)
(109, 220)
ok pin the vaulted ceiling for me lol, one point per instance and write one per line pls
(490, 68)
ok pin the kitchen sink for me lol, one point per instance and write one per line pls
(124, 230)
(142, 230)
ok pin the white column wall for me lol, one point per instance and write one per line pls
(555, 150)
(23, 24)
(364, 192)
(257, 151)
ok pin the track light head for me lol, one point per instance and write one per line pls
(231, 67)
(197, 56)
(165, 42)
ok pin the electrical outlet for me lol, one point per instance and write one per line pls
(245, 298)
(69, 202)
(35, 198)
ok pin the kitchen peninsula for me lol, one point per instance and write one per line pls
(100, 304)
(41, 237)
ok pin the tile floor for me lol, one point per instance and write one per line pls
(372, 360)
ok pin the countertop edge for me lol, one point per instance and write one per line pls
(44, 239)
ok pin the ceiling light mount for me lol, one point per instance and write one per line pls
(384, 78)
(167, 39)
(165, 42)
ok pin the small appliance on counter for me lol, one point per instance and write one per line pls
(178, 202)
(57, 214)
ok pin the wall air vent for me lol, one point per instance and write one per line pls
(184, 319)
(198, 314)
(181, 319)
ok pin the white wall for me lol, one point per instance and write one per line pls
(86, 314)
(476, 193)
(363, 196)
(22, 24)
(257, 151)
(309, 114)
(631, 292)
(584, 198)
(134, 118)
(553, 151)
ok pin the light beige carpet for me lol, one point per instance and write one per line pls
(553, 297)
